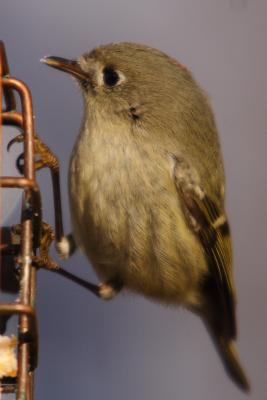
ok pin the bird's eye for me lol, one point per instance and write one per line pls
(110, 76)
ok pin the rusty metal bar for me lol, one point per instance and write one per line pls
(31, 231)
(8, 386)
(3, 63)
(15, 182)
(12, 118)
(31, 336)
(26, 235)
(8, 93)
(27, 330)
(26, 103)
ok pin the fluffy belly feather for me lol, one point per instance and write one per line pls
(127, 219)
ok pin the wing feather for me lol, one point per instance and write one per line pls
(209, 222)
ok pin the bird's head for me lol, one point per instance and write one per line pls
(130, 81)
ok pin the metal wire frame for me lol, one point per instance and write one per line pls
(31, 233)
(27, 328)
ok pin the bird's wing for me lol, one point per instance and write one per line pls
(209, 223)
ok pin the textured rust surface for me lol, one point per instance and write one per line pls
(27, 328)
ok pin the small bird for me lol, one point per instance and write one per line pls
(146, 187)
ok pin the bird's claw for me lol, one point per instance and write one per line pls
(46, 157)
(17, 139)
(44, 262)
(43, 259)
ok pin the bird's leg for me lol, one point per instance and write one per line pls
(65, 245)
(106, 291)
(46, 159)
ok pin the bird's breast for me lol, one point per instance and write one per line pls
(112, 181)
(127, 218)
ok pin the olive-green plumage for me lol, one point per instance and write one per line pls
(146, 186)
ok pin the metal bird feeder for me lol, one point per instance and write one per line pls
(27, 345)
(25, 247)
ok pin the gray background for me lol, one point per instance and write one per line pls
(131, 348)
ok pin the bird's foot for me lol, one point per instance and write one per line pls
(65, 247)
(46, 157)
(108, 290)
(43, 260)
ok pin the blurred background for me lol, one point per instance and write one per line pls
(131, 348)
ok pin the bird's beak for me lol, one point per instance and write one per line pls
(69, 66)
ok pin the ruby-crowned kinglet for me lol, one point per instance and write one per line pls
(146, 185)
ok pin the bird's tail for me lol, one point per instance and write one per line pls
(231, 362)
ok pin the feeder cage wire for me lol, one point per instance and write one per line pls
(22, 247)
(28, 242)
